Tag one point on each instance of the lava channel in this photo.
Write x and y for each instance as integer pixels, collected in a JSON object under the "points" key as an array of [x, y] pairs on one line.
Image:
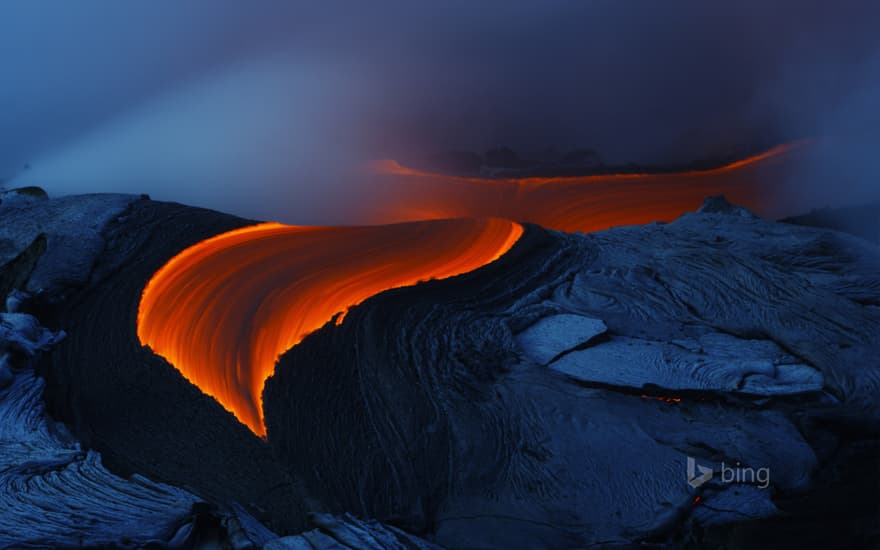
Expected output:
{"points": [[580, 203], [223, 310]]}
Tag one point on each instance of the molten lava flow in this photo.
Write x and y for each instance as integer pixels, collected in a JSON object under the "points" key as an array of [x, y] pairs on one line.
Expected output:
{"points": [[578, 203], [223, 310]]}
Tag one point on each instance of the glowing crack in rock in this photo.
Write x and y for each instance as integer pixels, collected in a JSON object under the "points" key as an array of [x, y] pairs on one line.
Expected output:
{"points": [[223, 310]]}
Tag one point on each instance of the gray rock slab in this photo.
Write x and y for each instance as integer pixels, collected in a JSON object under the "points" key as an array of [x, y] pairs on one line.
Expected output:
{"points": [[557, 334]]}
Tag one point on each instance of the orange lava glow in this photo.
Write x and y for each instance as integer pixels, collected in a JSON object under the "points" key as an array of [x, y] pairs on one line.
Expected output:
{"points": [[578, 203], [223, 310], [664, 399]]}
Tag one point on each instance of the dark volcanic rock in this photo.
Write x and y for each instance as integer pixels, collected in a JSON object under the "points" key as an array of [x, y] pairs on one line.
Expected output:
{"points": [[15, 273], [53, 493], [730, 339], [549, 399], [131, 405], [347, 531], [718, 205], [72, 226]]}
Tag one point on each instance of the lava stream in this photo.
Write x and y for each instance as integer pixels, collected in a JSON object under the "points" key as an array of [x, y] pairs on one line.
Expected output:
{"points": [[580, 203], [223, 310]]}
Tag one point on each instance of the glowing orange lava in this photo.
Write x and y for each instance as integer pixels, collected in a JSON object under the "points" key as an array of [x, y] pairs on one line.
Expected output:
{"points": [[223, 310], [578, 203]]}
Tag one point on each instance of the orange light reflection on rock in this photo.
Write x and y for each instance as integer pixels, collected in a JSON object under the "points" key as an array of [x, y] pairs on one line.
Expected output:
{"points": [[223, 310]]}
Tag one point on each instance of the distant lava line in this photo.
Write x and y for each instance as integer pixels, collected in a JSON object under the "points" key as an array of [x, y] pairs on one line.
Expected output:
{"points": [[223, 310], [580, 203]]}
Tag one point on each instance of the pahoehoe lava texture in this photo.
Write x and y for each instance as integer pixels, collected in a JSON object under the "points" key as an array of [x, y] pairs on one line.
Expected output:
{"points": [[514, 406], [133, 406], [223, 310], [430, 408]]}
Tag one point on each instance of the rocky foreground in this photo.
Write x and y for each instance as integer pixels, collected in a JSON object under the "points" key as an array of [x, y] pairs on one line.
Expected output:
{"points": [[550, 399]]}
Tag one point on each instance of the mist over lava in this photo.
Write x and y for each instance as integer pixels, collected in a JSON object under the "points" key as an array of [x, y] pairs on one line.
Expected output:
{"points": [[270, 113], [583, 203]]}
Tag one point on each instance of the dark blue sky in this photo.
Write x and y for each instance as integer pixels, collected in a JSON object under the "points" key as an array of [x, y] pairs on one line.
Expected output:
{"points": [[231, 104]]}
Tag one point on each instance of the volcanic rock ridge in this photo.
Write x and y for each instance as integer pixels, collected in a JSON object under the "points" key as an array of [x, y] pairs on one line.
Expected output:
{"points": [[630, 386]]}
